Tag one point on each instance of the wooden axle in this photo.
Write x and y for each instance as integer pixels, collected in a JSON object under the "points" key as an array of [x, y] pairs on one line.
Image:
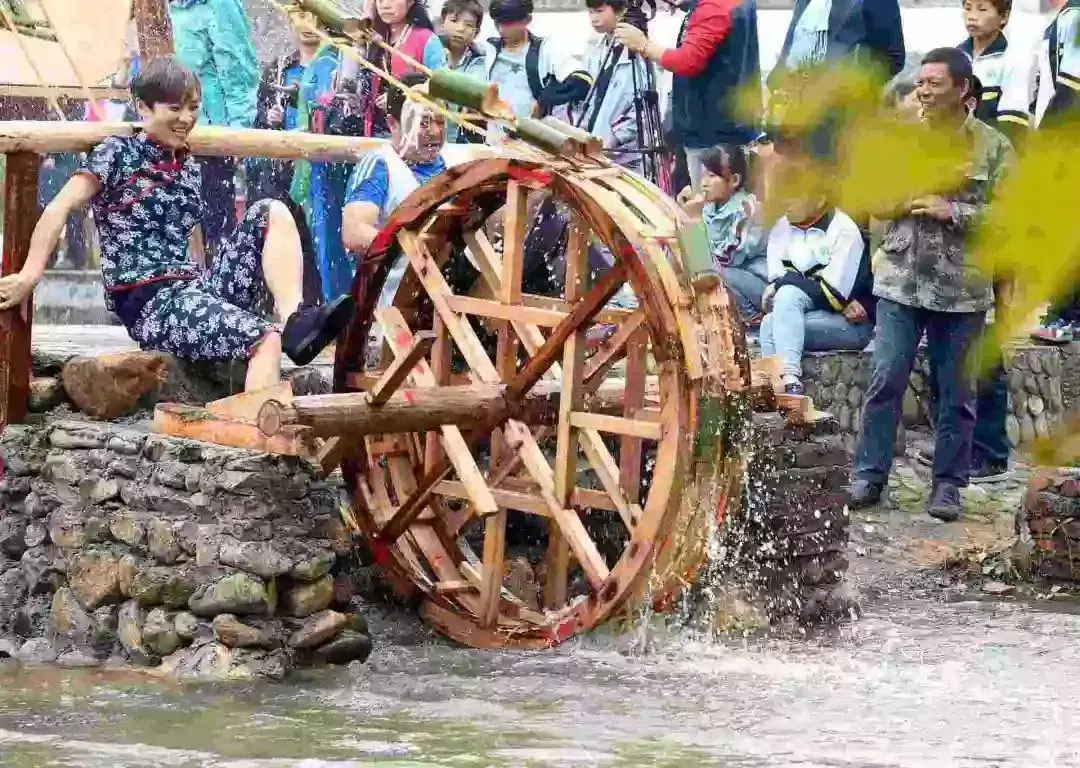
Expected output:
{"points": [[408, 410]]}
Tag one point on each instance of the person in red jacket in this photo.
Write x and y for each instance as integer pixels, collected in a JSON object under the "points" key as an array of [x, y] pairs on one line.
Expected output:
{"points": [[716, 55]]}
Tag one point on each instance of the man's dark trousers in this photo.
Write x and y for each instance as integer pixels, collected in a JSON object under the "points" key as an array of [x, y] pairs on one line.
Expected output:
{"points": [[990, 439], [949, 337]]}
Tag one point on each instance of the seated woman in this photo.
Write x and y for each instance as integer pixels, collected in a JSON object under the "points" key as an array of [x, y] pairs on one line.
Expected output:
{"points": [[146, 198], [819, 295], [731, 215]]}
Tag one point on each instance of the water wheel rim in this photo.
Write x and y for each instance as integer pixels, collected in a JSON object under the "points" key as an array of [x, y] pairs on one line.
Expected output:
{"points": [[455, 613]]}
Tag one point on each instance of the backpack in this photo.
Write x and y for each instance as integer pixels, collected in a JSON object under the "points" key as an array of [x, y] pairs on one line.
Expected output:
{"points": [[532, 63]]}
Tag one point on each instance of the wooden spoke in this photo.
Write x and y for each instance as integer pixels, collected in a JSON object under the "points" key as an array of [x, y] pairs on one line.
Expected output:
{"points": [[630, 445], [515, 222], [494, 561], [649, 430], [614, 348], [440, 373], [401, 367]]}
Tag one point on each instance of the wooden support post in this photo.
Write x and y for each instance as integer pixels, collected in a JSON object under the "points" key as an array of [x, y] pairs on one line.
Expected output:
{"points": [[440, 370], [154, 29], [494, 562], [400, 369], [629, 446], [20, 217]]}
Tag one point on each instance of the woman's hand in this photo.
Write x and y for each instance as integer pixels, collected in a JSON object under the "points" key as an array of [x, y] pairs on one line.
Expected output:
{"points": [[767, 297], [855, 312], [15, 288]]}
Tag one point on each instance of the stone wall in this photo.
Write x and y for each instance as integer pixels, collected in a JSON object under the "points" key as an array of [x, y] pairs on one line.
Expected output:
{"points": [[1051, 513], [210, 562], [837, 383]]}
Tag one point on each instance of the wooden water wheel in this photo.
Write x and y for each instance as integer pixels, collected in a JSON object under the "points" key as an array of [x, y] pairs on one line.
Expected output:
{"points": [[605, 463]]}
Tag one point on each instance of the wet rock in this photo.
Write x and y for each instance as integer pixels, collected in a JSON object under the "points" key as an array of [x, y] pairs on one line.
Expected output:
{"points": [[213, 661], [32, 617], [37, 650], [43, 572], [60, 468], [36, 534], [41, 502], [110, 385], [94, 577], [68, 619], [313, 566], [232, 632], [319, 628], [77, 659], [520, 578], [45, 394], [162, 543], [161, 585], [13, 536], [98, 491], [159, 633], [346, 647], [103, 627], [129, 631], [126, 527], [305, 599], [997, 588], [260, 558], [187, 626], [125, 446], [72, 435], [237, 593], [8, 649]]}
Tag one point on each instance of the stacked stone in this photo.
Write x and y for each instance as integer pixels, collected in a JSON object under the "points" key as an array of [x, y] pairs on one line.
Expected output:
{"points": [[837, 383], [786, 541], [1051, 511], [1035, 400], [213, 562]]}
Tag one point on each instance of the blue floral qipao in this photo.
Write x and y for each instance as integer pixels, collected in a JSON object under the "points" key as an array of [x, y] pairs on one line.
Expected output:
{"points": [[150, 200]]}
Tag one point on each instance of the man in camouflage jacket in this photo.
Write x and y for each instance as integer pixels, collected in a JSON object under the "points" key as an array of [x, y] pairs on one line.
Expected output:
{"points": [[926, 281]]}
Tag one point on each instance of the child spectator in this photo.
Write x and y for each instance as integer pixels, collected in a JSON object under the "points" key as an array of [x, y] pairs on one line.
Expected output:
{"points": [[1006, 79], [731, 217], [460, 21], [532, 73], [1058, 98], [619, 75], [819, 295]]}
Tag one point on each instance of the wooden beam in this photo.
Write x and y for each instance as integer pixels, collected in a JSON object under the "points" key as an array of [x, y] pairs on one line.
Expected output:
{"points": [[154, 29], [515, 222], [196, 423], [72, 92], [47, 137], [523, 496], [613, 349], [332, 451], [630, 447], [647, 430], [400, 368], [494, 564], [247, 405], [20, 218], [440, 371]]}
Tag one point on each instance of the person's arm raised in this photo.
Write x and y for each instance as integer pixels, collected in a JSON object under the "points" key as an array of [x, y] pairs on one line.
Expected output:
{"points": [[358, 228], [710, 23], [75, 194]]}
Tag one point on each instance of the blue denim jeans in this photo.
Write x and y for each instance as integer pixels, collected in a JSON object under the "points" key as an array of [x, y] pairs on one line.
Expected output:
{"points": [[793, 327], [949, 337], [747, 282], [990, 438]]}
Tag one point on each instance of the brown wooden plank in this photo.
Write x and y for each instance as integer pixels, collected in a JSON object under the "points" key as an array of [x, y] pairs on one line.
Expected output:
{"points": [[20, 218], [647, 430], [400, 368], [630, 447], [332, 451], [454, 587], [515, 221], [521, 313], [494, 564], [440, 371], [198, 424]]}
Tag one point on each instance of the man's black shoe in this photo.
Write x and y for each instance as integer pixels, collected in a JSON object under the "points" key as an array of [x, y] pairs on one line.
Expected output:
{"points": [[944, 503], [864, 494], [309, 329], [989, 471]]}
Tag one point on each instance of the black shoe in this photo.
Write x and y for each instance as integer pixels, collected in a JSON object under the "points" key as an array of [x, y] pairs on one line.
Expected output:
{"points": [[989, 471], [944, 503], [309, 329], [864, 494]]}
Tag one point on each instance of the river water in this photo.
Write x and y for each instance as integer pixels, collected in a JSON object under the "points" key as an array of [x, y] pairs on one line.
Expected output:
{"points": [[913, 683]]}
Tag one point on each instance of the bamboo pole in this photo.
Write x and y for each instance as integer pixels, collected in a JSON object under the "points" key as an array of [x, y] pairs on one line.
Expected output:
{"points": [[48, 137], [154, 28], [20, 217]]}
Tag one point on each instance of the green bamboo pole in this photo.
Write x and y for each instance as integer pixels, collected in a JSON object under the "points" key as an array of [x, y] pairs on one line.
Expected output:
{"points": [[467, 91], [592, 143], [697, 255], [331, 15], [545, 137]]}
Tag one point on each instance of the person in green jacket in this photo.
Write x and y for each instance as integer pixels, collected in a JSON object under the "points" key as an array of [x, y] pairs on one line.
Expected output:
{"points": [[213, 39]]}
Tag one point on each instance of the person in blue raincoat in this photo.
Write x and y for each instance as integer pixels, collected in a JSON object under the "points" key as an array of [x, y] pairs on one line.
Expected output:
{"points": [[319, 188], [213, 39]]}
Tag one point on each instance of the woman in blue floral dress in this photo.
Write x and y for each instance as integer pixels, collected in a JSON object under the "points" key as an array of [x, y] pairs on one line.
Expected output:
{"points": [[145, 193]]}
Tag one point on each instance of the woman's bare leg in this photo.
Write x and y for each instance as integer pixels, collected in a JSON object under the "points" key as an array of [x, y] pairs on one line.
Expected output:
{"points": [[283, 263], [264, 366]]}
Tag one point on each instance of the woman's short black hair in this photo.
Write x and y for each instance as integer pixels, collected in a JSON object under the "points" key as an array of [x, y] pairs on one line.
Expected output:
{"points": [[617, 5], [509, 11], [165, 81], [725, 160]]}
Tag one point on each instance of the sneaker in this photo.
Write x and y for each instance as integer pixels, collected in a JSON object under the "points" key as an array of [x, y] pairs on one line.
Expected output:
{"points": [[989, 471], [310, 329], [1054, 332], [944, 503], [793, 385], [864, 494]]}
